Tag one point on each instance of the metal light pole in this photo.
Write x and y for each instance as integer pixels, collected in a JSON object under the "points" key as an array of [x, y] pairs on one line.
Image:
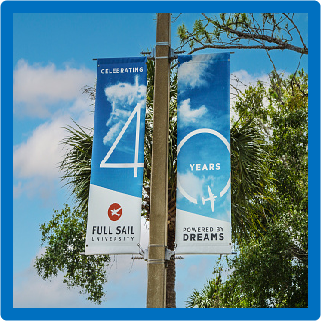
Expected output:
{"points": [[156, 284]]}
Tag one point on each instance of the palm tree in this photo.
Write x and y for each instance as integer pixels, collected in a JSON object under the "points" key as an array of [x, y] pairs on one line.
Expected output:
{"points": [[76, 165]]}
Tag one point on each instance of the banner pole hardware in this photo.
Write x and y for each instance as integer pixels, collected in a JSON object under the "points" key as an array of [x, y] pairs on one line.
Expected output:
{"points": [[163, 43], [173, 53], [151, 55]]}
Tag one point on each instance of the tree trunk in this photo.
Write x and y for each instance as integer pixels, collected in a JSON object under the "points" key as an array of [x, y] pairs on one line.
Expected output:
{"points": [[171, 274], [171, 269]]}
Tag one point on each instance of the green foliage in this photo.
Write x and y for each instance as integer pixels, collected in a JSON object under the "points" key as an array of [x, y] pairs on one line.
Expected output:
{"points": [[250, 180], [271, 268], [208, 297], [76, 165], [289, 118], [64, 239], [182, 32], [268, 31], [267, 272]]}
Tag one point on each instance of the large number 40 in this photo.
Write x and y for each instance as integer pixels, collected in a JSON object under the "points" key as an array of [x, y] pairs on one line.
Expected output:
{"points": [[134, 165]]}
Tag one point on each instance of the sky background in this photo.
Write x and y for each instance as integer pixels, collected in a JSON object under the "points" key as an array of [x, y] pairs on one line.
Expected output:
{"points": [[52, 62]]}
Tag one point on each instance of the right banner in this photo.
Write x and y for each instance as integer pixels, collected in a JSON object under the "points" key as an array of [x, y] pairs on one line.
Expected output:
{"points": [[203, 202]]}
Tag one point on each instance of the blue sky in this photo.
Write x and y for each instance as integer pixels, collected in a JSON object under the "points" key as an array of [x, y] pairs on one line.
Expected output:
{"points": [[52, 62]]}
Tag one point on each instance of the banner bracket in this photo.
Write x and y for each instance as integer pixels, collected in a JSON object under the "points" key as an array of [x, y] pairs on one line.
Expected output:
{"points": [[168, 254], [173, 54], [151, 55]]}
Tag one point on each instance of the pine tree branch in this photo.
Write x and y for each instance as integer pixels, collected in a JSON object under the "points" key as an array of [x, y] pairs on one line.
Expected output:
{"points": [[298, 31], [280, 44]]}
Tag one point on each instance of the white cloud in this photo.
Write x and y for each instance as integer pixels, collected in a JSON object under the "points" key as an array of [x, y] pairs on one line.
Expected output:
{"points": [[123, 97], [42, 152], [191, 73], [81, 105], [241, 79], [190, 116], [45, 91], [35, 161], [36, 88], [40, 155], [38, 187]]}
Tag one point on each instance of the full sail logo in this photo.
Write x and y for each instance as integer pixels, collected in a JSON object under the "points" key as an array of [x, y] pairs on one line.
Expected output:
{"points": [[115, 212], [112, 233]]}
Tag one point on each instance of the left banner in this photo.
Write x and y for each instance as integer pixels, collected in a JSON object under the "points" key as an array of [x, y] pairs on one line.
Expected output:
{"points": [[117, 164]]}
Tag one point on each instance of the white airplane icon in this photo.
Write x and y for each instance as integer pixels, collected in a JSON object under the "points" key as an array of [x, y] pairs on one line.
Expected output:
{"points": [[211, 198], [115, 212]]}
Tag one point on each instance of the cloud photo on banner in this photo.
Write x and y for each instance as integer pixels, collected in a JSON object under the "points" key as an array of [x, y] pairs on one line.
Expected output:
{"points": [[190, 116], [192, 73], [124, 97], [203, 157]]}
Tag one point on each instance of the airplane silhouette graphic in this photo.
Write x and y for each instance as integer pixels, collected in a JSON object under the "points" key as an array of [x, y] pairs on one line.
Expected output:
{"points": [[211, 198], [115, 212]]}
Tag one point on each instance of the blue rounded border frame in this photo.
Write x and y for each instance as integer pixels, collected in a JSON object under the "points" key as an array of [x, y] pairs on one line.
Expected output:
{"points": [[7, 310]]}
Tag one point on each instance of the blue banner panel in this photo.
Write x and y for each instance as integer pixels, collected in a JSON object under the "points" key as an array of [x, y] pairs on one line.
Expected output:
{"points": [[115, 195], [203, 215]]}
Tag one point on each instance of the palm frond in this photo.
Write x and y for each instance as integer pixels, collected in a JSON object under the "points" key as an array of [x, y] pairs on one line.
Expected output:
{"points": [[76, 165]]}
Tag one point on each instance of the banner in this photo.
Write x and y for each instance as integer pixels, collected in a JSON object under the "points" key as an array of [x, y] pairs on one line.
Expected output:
{"points": [[203, 215], [115, 196]]}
